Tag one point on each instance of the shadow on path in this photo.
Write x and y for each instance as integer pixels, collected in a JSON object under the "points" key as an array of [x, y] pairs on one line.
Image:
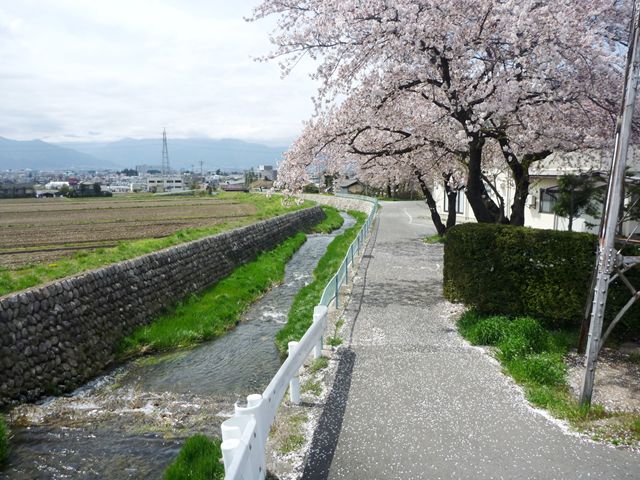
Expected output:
{"points": [[325, 438]]}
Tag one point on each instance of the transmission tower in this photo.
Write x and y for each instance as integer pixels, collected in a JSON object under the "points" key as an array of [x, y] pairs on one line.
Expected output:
{"points": [[166, 170], [611, 263]]}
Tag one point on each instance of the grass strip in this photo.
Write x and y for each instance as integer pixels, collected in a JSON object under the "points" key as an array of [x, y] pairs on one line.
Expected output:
{"points": [[534, 357], [4, 441], [20, 279], [434, 239], [333, 221], [199, 459], [212, 313], [301, 312]]}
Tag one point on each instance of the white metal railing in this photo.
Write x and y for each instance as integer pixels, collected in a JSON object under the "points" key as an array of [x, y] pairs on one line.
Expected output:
{"points": [[341, 277], [244, 435]]}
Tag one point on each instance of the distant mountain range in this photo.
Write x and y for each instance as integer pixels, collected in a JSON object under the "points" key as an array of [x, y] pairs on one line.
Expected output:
{"points": [[226, 154]]}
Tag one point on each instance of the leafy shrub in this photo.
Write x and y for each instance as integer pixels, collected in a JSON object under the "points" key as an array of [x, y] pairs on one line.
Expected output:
{"points": [[199, 459], [521, 271]]}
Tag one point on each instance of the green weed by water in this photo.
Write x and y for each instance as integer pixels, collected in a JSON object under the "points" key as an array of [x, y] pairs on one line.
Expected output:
{"points": [[31, 275], [4, 441], [332, 222], [215, 311], [199, 459], [301, 312]]}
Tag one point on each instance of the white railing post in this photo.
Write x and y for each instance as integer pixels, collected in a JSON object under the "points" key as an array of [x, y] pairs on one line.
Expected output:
{"points": [[319, 315], [294, 383], [255, 466], [230, 444], [337, 287], [243, 441]]}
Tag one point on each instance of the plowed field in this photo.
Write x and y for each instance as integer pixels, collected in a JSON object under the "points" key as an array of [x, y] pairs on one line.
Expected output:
{"points": [[43, 230]]}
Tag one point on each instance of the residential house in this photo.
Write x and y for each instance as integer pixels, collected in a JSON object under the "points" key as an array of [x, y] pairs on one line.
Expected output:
{"points": [[544, 176]]}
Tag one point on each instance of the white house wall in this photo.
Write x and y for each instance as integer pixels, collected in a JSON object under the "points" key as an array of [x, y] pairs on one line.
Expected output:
{"points": [[533, 216]]}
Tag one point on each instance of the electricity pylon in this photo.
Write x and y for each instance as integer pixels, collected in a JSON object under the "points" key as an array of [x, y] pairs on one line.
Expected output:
{"points": [[611, 263], [166, 170]]}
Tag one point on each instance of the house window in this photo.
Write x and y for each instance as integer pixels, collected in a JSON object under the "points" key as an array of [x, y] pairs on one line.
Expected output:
{"points": [[548, 200], [458, 202]]}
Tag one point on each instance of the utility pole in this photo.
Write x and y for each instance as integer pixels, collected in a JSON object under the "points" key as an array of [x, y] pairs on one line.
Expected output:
{"points": [[611, 264], [166, 170]]}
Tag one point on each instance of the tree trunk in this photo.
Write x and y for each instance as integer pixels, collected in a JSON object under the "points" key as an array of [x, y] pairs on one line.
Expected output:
{"points": [[484, 208], [520, 175], [431, 203], [521, 179], [452, 200]]}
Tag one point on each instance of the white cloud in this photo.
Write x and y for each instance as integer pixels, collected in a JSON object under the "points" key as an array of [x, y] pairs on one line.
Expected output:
{"points": [[72, 68]]}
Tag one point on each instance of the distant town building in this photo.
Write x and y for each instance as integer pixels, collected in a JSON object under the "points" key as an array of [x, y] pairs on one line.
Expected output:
{"points": [[352, 186], [267, 172], [158, 184], [145, 169], [56, 185], [17, 190], [235, 187], [88, 189], [120, 188], [261, 185]]}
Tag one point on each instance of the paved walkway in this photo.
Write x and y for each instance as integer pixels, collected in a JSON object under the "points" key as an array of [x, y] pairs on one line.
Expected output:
{"points": [[412, 400]]}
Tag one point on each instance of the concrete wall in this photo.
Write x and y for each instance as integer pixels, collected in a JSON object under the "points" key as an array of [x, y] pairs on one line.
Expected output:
{"points": [[55, 337]]}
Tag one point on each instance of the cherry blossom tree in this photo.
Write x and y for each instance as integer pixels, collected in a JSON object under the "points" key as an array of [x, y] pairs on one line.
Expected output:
{"points": [[348, 138], [532, 76]]}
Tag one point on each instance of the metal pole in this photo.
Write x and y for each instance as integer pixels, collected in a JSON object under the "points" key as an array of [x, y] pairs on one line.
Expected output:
{"points": [[607, 256]]}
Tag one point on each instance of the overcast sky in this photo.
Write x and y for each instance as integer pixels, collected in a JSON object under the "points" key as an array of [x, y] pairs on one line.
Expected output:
{"points": [[104, 70]]}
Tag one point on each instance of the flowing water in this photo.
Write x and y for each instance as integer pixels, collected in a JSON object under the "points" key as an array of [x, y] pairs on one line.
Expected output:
{"points": [[132, 422]]}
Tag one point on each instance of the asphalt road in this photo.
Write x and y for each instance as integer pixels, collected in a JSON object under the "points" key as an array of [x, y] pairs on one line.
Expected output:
{"points": [[413, 400]]}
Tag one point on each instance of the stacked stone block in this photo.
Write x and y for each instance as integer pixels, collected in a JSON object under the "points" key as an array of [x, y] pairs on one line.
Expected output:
{"points": [[55, 337]]}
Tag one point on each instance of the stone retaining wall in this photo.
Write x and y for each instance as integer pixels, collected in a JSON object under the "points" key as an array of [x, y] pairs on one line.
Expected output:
{"points": [[55, 337], [341, 203]]}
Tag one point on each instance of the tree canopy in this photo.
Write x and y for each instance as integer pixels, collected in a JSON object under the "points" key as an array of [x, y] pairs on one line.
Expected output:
{"points": [[452, 89]]}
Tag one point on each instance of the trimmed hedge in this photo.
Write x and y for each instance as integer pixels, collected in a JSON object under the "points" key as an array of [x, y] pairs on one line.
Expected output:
{"points": [[524, 271]]}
